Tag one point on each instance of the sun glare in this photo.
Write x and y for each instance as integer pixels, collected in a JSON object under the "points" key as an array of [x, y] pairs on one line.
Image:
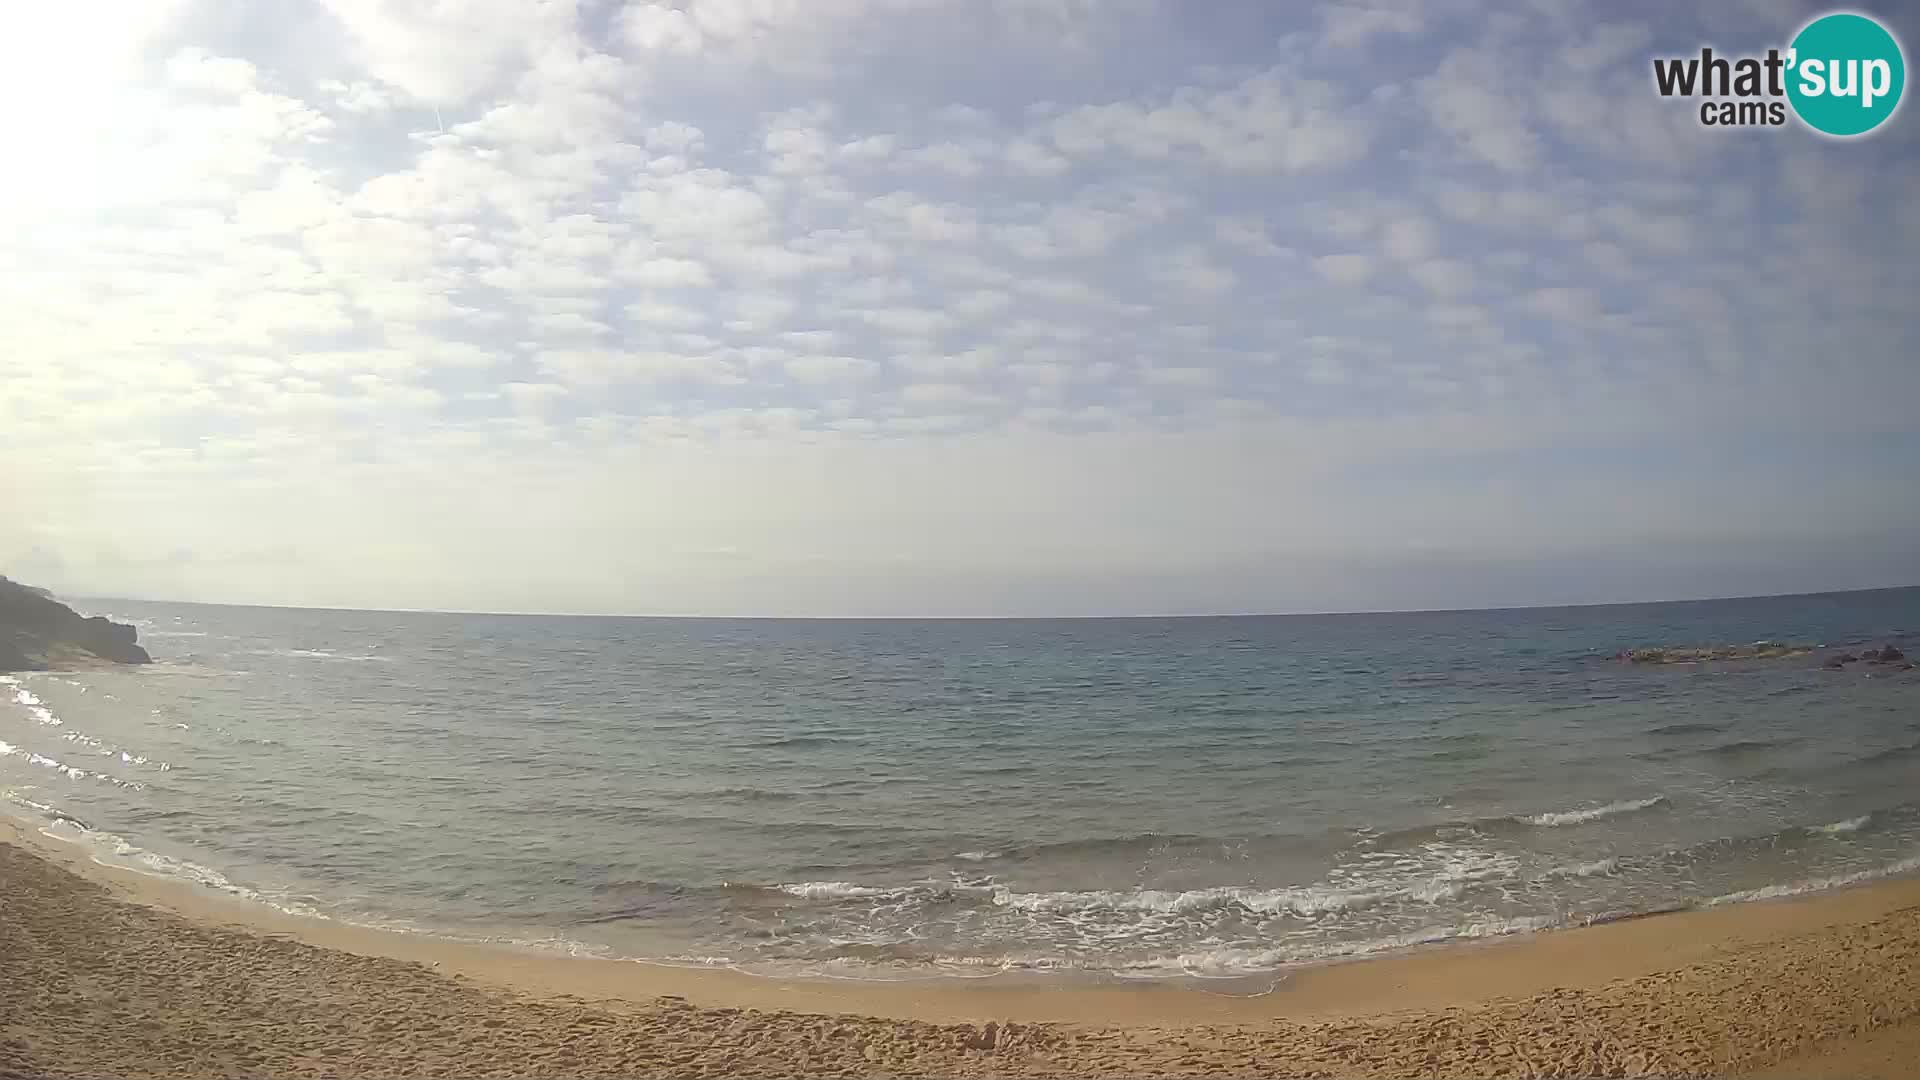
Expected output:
{"points": [[65, 77]]}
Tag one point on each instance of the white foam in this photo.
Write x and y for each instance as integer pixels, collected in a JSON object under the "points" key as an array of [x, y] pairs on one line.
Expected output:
{"points": [[323, 654], [1592, 813], [37, 709], [72, 772], [1231, 962], [1908, 865], [108, 849], [16, 798], [834, 890], [34, 706], [1850, 825], [1596, 868], [1306, 901]]}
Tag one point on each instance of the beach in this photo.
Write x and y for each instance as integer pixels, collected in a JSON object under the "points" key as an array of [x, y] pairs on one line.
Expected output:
{"points": [[1133, 799], [104, 971]]}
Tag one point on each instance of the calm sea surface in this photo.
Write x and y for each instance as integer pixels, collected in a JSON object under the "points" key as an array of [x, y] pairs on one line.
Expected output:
{"points": [[886, 799]]}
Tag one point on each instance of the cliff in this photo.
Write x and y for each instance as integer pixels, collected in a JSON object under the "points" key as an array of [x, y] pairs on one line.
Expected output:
{"points": [[37, 631]]}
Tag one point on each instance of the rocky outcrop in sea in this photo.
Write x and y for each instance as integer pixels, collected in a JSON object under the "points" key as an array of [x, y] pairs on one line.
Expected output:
{"points": [[38, 632]]}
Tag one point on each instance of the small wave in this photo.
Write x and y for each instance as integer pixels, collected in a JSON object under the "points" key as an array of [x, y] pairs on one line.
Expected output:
{"points": [[803, 741], [1460, 753], [1907, 865], [976, 856], [322, 654], [1853, 824], [18, 799], [834, 890], [1418, 835], [54, 815], [1306, 901], [1234, 962], [34, 706], [1691, 728], [1748, 746], [753, 794], [1594, 813], [72, 772], [1117, 845], [109, 849], [1743, 848], [1596, 868], [1891, 754], [37, 709]]}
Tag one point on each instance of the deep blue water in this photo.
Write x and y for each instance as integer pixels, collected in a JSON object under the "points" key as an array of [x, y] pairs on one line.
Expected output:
{"points": [[879, 798]]}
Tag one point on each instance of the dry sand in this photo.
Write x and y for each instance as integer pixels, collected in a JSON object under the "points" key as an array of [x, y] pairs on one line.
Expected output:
{"points": [[108, 973]]}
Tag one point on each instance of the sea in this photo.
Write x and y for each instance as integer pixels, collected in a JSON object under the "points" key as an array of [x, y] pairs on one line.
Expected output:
{"points": [[1151, 798]]}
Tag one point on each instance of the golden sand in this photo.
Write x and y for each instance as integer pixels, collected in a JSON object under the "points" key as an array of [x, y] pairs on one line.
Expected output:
{"points": [[108, 973]]}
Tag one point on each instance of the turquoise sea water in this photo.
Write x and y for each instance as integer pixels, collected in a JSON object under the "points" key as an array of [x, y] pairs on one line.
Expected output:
{"points": [[882, 799]]}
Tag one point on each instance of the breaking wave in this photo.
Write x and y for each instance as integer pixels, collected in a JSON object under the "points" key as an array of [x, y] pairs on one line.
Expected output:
{"points": [[1593, 813]]}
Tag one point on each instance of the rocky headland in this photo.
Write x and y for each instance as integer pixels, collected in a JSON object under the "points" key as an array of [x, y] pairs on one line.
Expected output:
{"points": [[38, 632]]}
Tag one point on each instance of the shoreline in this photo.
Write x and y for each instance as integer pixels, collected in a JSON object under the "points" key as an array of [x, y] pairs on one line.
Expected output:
{"points": [[1747, 987], [190, 891], [1422, 975]]}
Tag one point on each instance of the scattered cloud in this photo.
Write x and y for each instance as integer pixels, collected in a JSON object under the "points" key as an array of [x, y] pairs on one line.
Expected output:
{"points": [[1179, 295]]}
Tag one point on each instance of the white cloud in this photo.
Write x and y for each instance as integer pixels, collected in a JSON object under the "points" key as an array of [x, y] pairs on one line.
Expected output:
{"points": [[1605, 46], [358, 96], [1267, 123], [945, 395], [827, 369], [656, 26], [1345, 269], [660, 313], [1192, 271], [1250, 235], [446, 54], [917, 322], [599, 367], [1350, 24], [1409, 239], [534, 398], [1443, 277], [1469, 97], [197, 69], [667, 274], [596, 257], [962, 365], [1181, 375], [1033, 159], [1566, 304], [963, 160]]}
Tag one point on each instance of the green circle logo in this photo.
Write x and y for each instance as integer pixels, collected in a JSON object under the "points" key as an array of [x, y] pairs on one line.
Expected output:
{"points": [[1845, 74]]}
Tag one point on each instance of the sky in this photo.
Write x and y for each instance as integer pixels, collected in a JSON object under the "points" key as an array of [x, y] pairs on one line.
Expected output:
{"points": [[939, 307]]}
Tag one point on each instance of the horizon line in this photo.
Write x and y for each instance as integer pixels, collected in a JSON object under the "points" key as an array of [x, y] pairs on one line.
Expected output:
{"points": [[1011, 618]]}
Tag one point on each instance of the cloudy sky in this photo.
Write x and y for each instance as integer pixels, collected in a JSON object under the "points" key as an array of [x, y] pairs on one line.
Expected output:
{"points": [[939, 306]]}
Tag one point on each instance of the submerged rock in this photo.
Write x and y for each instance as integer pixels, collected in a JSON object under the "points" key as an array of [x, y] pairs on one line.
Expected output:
{"points": [[37, 631], [1759, 650]]}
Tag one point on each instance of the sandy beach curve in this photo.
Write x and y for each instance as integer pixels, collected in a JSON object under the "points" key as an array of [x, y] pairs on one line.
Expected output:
{"points": [[104, 971]]}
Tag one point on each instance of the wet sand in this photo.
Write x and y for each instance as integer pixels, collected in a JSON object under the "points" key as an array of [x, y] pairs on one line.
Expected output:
{"points": [[104, 972]]}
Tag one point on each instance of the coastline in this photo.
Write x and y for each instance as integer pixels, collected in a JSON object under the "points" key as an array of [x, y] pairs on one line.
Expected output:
{"points": [[1817, 984]]}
